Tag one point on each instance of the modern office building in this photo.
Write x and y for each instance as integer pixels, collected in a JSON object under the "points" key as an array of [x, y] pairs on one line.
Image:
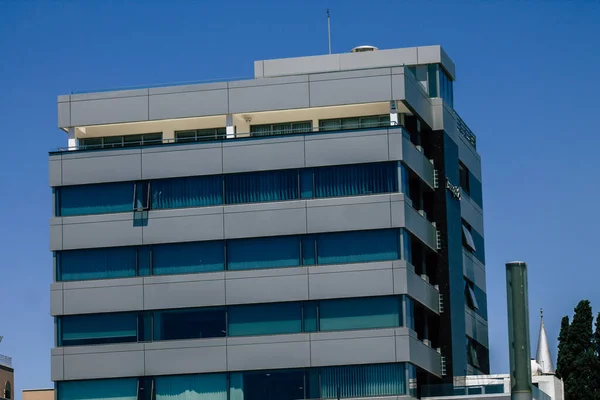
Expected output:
{"points": [[314, 232]]}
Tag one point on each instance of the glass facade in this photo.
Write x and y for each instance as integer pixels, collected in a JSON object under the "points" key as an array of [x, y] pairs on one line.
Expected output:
{"points": [[104, 263], [371, 121], [352, 381], [446, 88], [242, 254], [281, 129], [200, 135], [187, 258], [238, 320], [120, 141], [79, 330], [95, 199], [250, 187]]}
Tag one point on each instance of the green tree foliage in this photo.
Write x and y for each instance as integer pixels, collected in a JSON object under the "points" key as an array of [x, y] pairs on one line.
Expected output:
{"points": [[578, 356], [564, 352]]}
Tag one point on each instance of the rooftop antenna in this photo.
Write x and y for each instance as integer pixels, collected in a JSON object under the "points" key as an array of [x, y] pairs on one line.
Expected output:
{"points": [[329, 30]]}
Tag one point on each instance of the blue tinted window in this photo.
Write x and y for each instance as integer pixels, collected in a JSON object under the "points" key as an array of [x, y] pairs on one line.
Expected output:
{"points": [[265, 385], [187, 192], [95, 199], [192, 387], [98, 389], [189, 324], [359, 246], [144, 260], [363, 381], [186, 258], [432, 70], [410, 313], [308, 250], [81, 330], [265, 319], [114, 262], [261, 186], [354, 180], [307, 183], [360, 313], [272, 252], [475, 192], [479, 245], [310, 316]]}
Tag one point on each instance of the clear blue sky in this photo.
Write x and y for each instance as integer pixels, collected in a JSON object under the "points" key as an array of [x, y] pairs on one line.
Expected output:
{"points": [[527, 85]]}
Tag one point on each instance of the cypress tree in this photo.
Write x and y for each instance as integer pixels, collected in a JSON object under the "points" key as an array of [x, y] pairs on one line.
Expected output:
{"points": [[564, 359], [578, 363]]}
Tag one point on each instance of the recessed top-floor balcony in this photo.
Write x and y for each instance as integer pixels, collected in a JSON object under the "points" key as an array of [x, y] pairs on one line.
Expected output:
{"points": [[230, 110]]}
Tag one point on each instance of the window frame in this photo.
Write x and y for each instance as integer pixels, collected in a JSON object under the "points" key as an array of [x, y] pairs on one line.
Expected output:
{"points": [[467, 238]]}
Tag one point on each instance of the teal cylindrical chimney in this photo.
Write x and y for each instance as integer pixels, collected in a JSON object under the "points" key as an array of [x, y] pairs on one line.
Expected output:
{"points": [[518, 330]]}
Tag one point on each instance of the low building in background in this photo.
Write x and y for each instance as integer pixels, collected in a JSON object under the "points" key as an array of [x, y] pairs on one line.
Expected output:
{"points": [[38, 394], [546, 385], [7, 377]]}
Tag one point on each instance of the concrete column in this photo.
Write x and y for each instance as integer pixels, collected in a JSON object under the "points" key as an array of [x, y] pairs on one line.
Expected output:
{"points": [[229, 127], [394, 113], [73, 142], [168, 135]]}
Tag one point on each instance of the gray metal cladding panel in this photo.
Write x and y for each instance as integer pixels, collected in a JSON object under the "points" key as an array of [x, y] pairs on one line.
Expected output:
{"points": [[56, 237], [201, 87], [188, 104], [421, 291], [300, 65], [381, 58], [267, 289], [289, 354], [109, 111], [101, 234], [57, 367], [350, 91], [263, 154], [55, 172], [273, 222], [471, 213], [424, 356], [327, 349], [101, 166], [417, 99], [124, 361], [64, 114], [420, 227], [268, 97], [186, 357], [417, 162], [56, 302], [398, 86], [185, 225], [474, 270], [468, 156], [194, 293], [103, 299], [182, 160], [351, 284], [340, 148], [349, 214]]}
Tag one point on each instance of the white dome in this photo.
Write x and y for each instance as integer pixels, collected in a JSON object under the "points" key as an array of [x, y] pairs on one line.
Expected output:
{"points": [[536, 369]]}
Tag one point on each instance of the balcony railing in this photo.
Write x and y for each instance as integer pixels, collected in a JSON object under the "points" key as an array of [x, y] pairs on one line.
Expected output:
{"points": [[5, 361], [465, 130], [221, 137]]}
